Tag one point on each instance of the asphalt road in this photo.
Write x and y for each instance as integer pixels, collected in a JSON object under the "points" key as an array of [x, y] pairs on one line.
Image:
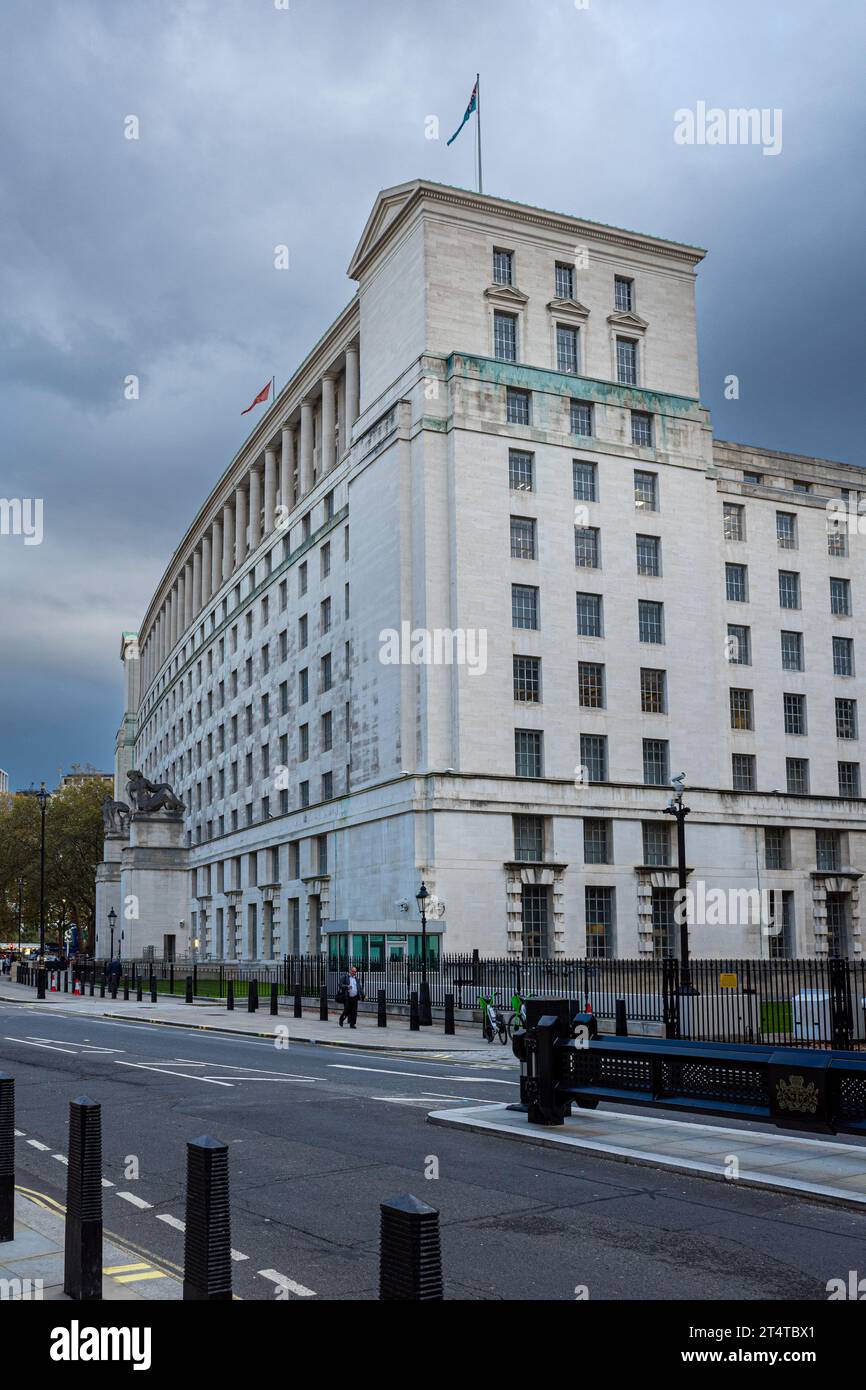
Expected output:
{"points": [[319, 1137]]}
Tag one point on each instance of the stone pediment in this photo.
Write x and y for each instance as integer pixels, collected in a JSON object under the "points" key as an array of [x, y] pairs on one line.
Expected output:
{"points": [[387, 209], [633, 322], [506, 295], [568, 309]]}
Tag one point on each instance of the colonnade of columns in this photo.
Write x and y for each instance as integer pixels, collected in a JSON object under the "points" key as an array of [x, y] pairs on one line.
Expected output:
{"points": [[284, 476]]}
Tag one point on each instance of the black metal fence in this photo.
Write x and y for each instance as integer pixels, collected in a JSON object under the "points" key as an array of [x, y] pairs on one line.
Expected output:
{"points": [[808, 1003]]}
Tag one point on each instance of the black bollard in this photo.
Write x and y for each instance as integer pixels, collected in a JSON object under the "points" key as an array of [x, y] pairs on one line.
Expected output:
{"points": [[66, 982], [114, 983], [138, 990], [299, 1007], [188, 990], [126, 988], [621, 1027], [82, 1267], [93, 983], [252, 996], [425, 1013], [40, 982], [230, 995], [410, 1255], [7, 1157], [414, 1018], [171, 978], [323, 1006], [207, 1254], [102, 989], [275, 1001], [449, 1015], [381, 1010], [152, 988]]}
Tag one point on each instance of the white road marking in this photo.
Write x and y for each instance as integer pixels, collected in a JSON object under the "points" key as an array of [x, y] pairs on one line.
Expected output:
{"points": [[25, 1042], [179, 1225], [20, 1133], [61, 1158], [285, 1283], [236, 1255], [106, 1183], [148, 1066], [35, 1144], [227, 1066], [425, 1075], [479, 1100], [136, 1201]]}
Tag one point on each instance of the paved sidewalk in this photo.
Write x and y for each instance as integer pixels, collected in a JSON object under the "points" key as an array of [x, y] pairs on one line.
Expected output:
{"points": [[758, 1158], [214, 1016], [31, 1265]]}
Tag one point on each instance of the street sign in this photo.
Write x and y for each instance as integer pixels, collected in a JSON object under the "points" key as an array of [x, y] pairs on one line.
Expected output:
{"points": [[727, 981]]}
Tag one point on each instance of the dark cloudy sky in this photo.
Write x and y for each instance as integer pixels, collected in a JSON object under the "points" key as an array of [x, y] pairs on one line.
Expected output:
{"points": [[261, 125]]}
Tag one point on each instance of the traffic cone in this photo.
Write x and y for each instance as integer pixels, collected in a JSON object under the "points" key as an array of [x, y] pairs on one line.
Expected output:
{"points": [[53, 989], [77, 987], [588, 1009]]}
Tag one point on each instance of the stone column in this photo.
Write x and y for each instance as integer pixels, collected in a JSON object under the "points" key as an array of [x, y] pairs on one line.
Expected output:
{"points": [[270, 490], [255, 509], [329, 419], [287, 464], [187, 595], [353, 389], [306, 473], [181, 605], [228, 541], [240, 525], [196, 582], [172, 619], [206, 564], [216, 572]]}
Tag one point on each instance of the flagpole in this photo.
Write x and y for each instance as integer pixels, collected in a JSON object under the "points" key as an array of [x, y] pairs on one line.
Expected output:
{"points": [[273, 390], [478, 113]]}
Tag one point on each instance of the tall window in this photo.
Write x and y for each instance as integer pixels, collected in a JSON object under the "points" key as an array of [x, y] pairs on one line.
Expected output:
{"points": [[650, 621], [527, 679], [781, 940], [741, 709], [505, 336], [843, 656], [503, 262], [581, 417], [846, 718], [642, 429], [655, 762], [524, 606], [646, 497], [837, 538], [828, 851], [849, 779], [589, 615], [794, 713], [792, 651], [599, 909], [622, 294], [733, 521], [586, 547], [739, 645], [564, 281], [789, 589], [528, 753], [534, 919], [626, 361], [743, 772], [522, 538], [590, 684], [840, 597], [566, 348], [521, 469], [653, 691], [797, 774], [775, 847], [597, 841], [656, 844], [736, 584], [648, 555], [786, 530], [665, 927], [517, 406], [837, 924], [584, 481], [528, 839], [593, 756]]}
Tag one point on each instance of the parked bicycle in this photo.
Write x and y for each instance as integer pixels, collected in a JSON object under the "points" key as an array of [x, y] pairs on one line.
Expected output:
{"points": [[517, 1017], [493, 1020]]}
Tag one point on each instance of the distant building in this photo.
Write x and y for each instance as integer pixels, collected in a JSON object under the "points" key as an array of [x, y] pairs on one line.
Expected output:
{"points": [[79, 779], [4, 781]]}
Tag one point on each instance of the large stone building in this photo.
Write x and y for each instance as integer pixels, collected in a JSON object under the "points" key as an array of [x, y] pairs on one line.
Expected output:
{"points": [[478, 582]]}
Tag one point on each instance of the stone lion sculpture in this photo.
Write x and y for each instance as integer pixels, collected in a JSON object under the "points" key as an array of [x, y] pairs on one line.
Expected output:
{"points": [[147, 797]]}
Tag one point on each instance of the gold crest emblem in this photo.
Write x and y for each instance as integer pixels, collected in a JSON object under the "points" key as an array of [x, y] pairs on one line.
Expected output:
{"points": [[797, 1094]]}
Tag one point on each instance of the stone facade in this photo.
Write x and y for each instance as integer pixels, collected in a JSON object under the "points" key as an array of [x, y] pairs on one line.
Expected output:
{"points": [[324, 780]]}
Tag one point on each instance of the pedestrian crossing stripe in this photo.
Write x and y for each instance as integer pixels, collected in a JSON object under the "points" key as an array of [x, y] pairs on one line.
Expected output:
{"points": [[133, 1274]]}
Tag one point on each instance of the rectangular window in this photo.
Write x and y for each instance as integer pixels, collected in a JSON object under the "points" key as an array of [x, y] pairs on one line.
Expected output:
{"points": [[534, 919], [646, 491], [503, 262], [775, 847], [792, 651], [736, 584], [528, 753], [302, 631], [622, 294], [505, 337], [327, 786], [528, 839], [797, 774], [828, 856], [642, 429], [564, 281], [303, 686], [325, 616], [739, 645], [653, 691], [840, 597], [786, 530], [521, 469], [523, 538], [655, 762], [597, 842], [794, 713], [586, 547], [782, 940], [581, 418], [648, 550], [837, 925], [325, 556], [843, 656], [626, 361], [733, 521], [584, 481], [325, 674], [665, 927], [846, 718], [517, 407], [327, 732], [524, 606], [837, 538], [527, 679], [849, 779], [566, 349], [743, 772], [656, 844], [590, 684], [589, 615], [303, 742], [650, 617], [593, 757], [789, 589], [599, 910]]}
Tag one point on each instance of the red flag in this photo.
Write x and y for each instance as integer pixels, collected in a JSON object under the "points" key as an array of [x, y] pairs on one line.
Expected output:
{"points": [[262, 396]]}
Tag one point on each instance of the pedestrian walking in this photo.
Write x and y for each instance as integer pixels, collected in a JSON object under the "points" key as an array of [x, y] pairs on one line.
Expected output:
{"points": [[349, 992]]}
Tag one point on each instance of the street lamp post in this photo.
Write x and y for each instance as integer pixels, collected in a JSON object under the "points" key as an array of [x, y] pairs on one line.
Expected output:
{"points": [[20, 892], [424, 1011], [42, 797], [679, 811], [112, 918]]}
